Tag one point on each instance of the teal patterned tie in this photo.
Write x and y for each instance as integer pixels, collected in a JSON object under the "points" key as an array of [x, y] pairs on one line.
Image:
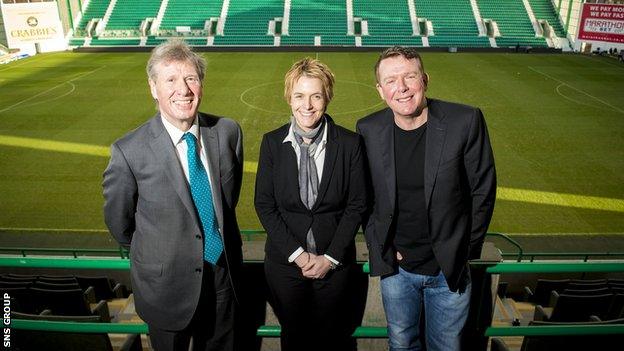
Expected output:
{"points": [[202, 197]]}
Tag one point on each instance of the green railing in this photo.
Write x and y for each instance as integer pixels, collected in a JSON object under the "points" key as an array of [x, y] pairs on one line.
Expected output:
{"points": [[585, 256], [509, 240], [550, 330], [72, 263], [553, 267], [121, 252], [368, 332], [89, 263], [251, 234], [270, 331]]}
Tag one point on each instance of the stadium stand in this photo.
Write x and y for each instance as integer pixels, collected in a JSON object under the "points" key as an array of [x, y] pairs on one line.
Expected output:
{"points": [[63, 295], [543, 288], [124, 319], [574, 308], [388, 22], [67, 341], [95, 9], [115, 42], [586, 292], [18, 278], [248, 23], [190, 13], [513, 22], [454, 23], [104, 287], [24, 284], [57, 279], [71, 302], [544, 10], [128, 14], [324, 19], [568, 343]]}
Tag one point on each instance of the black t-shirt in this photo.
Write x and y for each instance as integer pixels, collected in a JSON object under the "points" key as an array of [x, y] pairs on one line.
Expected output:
{"points": [[411, 230]]}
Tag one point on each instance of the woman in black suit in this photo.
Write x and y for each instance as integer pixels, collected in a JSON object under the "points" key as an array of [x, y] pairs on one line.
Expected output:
{"points": [[310, 197]]}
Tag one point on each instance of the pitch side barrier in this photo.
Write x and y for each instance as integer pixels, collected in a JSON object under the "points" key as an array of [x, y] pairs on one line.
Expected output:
{"points": [[324, 48], [254, 234], [360, 332]]}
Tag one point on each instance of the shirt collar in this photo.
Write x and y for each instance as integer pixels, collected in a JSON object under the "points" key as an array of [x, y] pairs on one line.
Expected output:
{"points": [[176, 134]]}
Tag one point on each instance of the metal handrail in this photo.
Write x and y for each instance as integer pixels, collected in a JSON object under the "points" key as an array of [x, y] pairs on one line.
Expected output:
{"points": [[551, 267], [494, 268], [584, 255], [141, 328], [248, 234], [509, 240], [123, 253], [72, 263], [551, 330], [360, 332], [269, 331]]}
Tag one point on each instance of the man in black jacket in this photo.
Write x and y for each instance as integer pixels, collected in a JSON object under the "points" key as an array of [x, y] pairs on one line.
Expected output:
{"points": [[432, 170]]}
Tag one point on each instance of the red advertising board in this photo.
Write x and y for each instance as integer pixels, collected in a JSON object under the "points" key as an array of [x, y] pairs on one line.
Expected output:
{"points": [[602, 22]]}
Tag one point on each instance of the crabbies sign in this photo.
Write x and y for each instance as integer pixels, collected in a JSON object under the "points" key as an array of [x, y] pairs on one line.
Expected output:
{"points": [[29, 23], [602, 22]]}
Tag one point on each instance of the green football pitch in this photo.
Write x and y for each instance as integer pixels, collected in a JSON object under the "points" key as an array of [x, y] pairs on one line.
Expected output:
{"points": [[556, 124]]}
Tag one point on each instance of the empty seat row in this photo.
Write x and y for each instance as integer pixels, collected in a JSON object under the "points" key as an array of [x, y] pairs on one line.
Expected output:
{"points": [[568, 342], [69, 302], [579, 308], [104, 288], [541, 293], [23, 339]]}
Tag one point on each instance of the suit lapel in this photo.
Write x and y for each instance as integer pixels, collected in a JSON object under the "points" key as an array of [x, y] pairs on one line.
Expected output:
{"points": [[164, 149], [210, 138], [331, 152], [386, 146], [436, 134]]}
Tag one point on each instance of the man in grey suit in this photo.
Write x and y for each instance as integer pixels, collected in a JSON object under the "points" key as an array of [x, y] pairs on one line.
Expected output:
{"points": [[432, 170], [170, 191]]}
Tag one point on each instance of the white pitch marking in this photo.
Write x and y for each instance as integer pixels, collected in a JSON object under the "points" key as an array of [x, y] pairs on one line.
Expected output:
{"points": [[242, 98], [570, 99], [579, 90], [50, 89]]}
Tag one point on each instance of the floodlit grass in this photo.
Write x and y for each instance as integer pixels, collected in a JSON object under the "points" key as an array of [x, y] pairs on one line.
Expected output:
{"points": [[556, 123]]}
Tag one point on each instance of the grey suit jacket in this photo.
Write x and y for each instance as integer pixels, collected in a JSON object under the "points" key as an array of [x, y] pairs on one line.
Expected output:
{"points": [[148, 206], [460, 187]]}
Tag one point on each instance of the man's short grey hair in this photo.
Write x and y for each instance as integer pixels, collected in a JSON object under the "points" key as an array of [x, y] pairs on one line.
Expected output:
{"points": [[175, 50]]}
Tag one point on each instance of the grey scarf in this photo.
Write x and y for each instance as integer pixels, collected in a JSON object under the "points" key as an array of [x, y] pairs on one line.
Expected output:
{"points": [[308, 177]]}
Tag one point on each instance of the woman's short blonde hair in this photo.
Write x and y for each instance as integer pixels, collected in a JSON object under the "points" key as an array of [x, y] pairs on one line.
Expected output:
{"points": [[311, 68]]}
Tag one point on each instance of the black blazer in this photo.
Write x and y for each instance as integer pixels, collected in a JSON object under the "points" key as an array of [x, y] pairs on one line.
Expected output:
{"points": [[460, 186], [340, 204]]}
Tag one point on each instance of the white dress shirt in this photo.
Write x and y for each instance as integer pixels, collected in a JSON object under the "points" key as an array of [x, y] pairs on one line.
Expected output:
{"points": [[182, 148]]}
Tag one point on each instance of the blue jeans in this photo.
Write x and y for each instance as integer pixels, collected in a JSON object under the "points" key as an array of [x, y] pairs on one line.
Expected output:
{"points": [[445, 311]]}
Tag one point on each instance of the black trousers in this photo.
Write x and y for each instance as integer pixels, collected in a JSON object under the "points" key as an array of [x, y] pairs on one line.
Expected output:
{"points": [[313, 314], [212, 325]]}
